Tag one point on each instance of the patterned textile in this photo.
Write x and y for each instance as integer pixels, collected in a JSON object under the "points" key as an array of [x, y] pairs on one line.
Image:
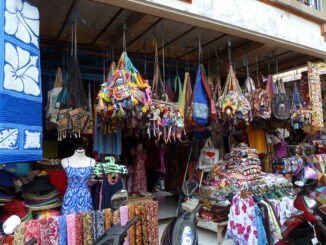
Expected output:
{"points": [[124, 219], [88, 228], [20, 234], [139, 176], [138, 225], [242, 221], [132, 229], [77, 198], [144, 224], [151, 213], [49, 231], [32, 229], [20, 83], [98, 223], [74, 229], [62, 230], [116, 217], [108, 218]]}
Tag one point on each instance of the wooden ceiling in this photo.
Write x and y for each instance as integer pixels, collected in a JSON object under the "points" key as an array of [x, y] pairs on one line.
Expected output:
{"points": [[101, 25]]}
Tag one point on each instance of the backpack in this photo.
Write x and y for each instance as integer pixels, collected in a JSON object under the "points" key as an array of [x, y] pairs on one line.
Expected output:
{"points": [[281, 104]]}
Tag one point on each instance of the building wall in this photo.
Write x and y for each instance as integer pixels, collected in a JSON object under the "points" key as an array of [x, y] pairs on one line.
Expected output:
{"points": [[250, 19]]}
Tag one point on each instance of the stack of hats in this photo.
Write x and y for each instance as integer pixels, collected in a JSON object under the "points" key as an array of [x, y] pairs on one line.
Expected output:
{"points": [[41, 194], [15, 207], [7, 187]]}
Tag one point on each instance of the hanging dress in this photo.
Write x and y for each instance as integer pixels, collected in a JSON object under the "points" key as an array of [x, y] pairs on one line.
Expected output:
{"points": [[77, 198], [139, 177], [109, 189]]}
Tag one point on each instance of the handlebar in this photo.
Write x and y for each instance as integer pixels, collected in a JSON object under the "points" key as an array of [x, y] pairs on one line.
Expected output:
{"points": [[31, 242], [131, 223]]}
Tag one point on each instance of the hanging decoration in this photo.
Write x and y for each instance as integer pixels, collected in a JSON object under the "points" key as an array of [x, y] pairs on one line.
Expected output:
{"points": [[300, 117], [315, 96], [165, 119], [125, 98]]}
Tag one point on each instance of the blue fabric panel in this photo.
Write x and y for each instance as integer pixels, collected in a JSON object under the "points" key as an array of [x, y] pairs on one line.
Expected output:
{"points": [[20, 83]]}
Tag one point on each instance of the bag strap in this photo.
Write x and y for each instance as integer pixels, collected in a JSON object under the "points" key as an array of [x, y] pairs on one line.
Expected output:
{"points": [[209, 95], [270, 86], [281, 87], [178, 87]]}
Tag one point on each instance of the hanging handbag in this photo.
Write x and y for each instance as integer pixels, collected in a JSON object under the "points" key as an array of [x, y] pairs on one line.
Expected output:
{"points": [[259, 99], [209, 156], [233, 105], [203, 106], [300, 117]]}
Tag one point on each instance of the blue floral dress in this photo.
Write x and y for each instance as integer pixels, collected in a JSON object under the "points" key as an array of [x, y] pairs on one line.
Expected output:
{"points": [[77, 198]]}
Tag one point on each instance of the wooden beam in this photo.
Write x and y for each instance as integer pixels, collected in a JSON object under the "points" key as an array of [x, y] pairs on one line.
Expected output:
{"points": [[206, 44], [107, 25], [71, 8], [176, 38], [144, 32]]}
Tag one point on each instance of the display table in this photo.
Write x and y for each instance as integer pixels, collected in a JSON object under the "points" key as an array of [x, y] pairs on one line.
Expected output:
{"points": [[140, 199], [216, 227]]}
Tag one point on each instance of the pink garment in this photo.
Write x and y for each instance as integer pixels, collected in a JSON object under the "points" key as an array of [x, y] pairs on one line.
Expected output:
{"points": [[49, 231], [124, 218], [32, 229], [139, 177], [75, 229]]}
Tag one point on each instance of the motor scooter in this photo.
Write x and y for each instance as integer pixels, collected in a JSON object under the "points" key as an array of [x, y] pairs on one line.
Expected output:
{"points": [[307, 225], [181, 230]]}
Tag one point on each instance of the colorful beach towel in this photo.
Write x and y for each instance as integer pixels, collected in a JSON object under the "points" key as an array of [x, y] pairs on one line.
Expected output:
{"points": [[20, 83]]}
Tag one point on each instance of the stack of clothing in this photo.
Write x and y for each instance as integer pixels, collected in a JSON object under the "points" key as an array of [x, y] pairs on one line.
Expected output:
{"points": [[41, 194], [243, 164], [213, 209]]}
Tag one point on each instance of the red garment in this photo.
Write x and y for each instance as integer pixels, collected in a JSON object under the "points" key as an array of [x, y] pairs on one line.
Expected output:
{"points": [[49, 229], [139, 180], [32, 229], [59, 179]]}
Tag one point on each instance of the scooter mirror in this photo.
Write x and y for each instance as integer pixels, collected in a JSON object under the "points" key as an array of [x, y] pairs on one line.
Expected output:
{"points": [[11, 224], [299, 183], [119, 198], [189, 187]]}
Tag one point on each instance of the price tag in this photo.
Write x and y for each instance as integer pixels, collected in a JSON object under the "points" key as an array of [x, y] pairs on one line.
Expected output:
{"points": [[314, 241]]}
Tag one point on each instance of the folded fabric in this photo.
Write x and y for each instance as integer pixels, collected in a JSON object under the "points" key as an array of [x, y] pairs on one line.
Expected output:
{"points": [[49, 231], [47, 203], [35, 196], [32, 229]]}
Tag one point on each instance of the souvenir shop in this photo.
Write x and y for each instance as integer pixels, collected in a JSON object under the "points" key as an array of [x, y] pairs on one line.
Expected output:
{"points": [[132, 101]]}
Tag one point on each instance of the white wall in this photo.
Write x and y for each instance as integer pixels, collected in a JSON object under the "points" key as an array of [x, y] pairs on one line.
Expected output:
{"points": [[250, 19]]}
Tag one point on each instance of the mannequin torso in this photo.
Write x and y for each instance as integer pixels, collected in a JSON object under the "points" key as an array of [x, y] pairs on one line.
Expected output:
{"points": [[78, 160], [78, 168]]}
